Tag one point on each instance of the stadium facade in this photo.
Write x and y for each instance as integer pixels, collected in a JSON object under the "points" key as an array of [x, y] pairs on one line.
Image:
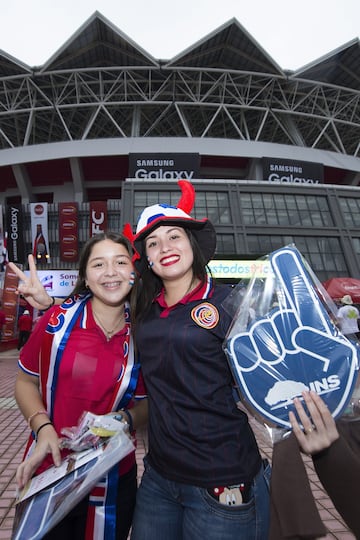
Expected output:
{"points": [[274, 155]]}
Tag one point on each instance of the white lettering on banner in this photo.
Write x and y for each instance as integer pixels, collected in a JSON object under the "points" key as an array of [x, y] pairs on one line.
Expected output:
{"points": [[155, 162], [96, 222], [291, 179], [286, 168], [326, 384], [14, 231], [169, 175]]}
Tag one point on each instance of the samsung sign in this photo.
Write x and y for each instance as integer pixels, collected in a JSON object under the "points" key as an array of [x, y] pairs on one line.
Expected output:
{"points": [[285, 171], [164, 166]]}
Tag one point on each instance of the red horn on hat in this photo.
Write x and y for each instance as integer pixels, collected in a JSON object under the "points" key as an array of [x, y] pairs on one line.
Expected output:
{"points": [[127, 232], [187, 200]]}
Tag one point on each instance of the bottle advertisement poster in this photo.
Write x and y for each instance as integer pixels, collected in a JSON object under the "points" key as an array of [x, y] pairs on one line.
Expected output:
{"points": [[39, 232]]}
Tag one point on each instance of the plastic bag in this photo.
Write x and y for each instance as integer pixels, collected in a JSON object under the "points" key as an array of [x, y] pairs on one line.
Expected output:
{"points": [[50, 496], [284, 339], [90, 430]]}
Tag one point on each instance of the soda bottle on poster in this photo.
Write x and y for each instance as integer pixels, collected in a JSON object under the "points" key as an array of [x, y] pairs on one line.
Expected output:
{"points": [[40, 250]]}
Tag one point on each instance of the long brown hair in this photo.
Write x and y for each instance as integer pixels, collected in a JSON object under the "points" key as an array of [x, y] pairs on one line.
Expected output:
{"points": [[149, 285]]}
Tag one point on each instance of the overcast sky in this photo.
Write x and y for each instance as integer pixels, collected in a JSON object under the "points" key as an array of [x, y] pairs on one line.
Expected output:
{"points": [[293, 33]]}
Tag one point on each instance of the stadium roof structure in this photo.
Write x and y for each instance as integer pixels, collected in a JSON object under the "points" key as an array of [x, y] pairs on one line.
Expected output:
{"points": [[102, 96]]}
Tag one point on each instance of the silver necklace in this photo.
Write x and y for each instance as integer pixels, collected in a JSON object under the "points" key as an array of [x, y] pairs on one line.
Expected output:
{"points": [[109, 333]]}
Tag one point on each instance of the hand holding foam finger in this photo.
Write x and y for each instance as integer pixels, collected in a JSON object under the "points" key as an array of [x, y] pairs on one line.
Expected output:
{"points": [[294, 347]]}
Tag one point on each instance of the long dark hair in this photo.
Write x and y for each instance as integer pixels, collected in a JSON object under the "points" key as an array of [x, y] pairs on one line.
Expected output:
{"points": [[80, 285], [149, 285]]}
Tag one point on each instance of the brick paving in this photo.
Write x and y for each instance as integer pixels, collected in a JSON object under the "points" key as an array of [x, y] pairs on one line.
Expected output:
{"points": [[14, 433]]}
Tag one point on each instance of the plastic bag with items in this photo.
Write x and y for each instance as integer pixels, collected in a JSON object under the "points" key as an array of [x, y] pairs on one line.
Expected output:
{"points": [[97, 444], [91, 429], [284, 340]]}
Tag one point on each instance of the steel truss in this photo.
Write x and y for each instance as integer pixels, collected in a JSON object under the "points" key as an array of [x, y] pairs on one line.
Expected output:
{"points": [[83, 104]]}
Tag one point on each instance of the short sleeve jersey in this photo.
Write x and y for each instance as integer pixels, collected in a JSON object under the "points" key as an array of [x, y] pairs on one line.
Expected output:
{"points": [[88, 372], [197, 435]]}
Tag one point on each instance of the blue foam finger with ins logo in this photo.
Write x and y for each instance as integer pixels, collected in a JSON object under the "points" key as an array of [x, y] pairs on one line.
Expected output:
{"points": [[294, 347]]}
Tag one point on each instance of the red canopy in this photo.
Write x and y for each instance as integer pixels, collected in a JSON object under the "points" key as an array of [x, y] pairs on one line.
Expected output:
{"points": [[338, 287]]}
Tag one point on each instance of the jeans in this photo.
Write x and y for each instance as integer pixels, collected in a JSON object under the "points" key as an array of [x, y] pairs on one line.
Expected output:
{"points": [[167, 510]]}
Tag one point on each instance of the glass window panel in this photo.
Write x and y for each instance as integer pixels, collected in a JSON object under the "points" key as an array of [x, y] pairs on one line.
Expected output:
{"points": [[305, 218], [294, 218], [290, 202], [301, 202], [253, 244], [283, 217], [356, 242], [248, 216], [268, 201], [350, 209], [224, 217], [225, 243], [272, 218], [323, 254], [287, 210], [245, 200]]}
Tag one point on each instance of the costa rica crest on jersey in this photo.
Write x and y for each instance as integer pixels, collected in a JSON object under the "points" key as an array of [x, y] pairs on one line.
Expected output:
{"points": [[205, 315]]}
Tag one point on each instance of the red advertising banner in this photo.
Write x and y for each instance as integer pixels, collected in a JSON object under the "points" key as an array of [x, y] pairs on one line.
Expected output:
{"points": [[39, 232], [68, 231], [98, 217], [9, 303]]}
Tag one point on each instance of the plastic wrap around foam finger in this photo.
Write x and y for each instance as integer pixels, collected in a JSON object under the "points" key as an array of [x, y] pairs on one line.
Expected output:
{"points": [[284, 340]]}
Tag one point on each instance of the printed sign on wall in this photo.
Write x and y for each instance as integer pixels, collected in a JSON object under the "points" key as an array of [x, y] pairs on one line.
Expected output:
{"points": [[164, 166], [68, 231], [98, 217], [15, 233], [39, 232], [292, 171], [9, 303]]}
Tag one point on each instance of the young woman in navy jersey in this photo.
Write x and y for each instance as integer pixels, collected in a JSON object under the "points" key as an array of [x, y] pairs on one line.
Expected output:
{"points": [[204, 476], [80, 358]]}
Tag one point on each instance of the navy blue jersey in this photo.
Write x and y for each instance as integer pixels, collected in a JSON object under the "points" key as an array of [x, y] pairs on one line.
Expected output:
{"points": [[197, 434]]}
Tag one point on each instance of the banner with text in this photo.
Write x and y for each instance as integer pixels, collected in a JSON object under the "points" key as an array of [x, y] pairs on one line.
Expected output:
{"points": [[98, 217], [62, 282], [15, 233], [164, 166], [238, 269], [291, 171], [9, 303], [57, 282], [39, 232], [2, 241], [68, 231]]}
